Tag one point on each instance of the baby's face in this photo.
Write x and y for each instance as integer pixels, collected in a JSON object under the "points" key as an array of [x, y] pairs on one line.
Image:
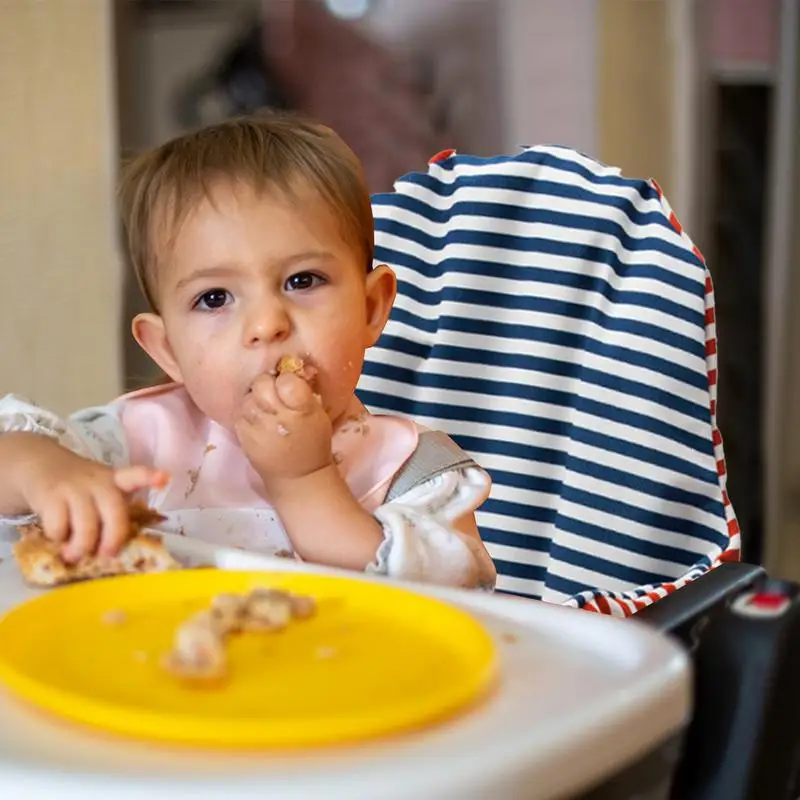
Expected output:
{"points": [[255, 277]]}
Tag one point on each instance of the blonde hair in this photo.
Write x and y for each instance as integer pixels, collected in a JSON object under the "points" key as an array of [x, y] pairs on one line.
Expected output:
{"points": [[273, 151]]}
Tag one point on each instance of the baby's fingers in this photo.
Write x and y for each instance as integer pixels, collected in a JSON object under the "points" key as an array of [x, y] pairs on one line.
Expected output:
{"points": [[54, 519], [84, 527], [113, 508], [294, 393], [131, 479], [262, 393], [254, 413]]}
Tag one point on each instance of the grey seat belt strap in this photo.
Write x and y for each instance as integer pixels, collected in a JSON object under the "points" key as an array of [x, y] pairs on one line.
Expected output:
{"points": [[436, 454]]}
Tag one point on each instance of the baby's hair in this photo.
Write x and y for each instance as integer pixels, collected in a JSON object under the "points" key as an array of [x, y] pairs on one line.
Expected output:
{"points": [[271, 151]]}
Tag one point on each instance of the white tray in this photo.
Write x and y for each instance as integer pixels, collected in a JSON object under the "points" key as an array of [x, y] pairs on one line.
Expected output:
{"points": [[580, 697]]}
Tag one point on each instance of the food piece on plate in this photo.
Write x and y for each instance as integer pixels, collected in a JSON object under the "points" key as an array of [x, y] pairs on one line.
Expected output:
{"points": [[278, 605], [199, 650], [41, 564], [272, 609], [303, 607], [267, 610], [229, 612]]}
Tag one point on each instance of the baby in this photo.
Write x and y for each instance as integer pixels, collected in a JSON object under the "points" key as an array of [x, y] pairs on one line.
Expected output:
{"points": [[253, 243]]}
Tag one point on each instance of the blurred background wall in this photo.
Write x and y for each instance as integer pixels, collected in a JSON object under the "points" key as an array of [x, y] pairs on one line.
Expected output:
{"points": [[700, 94], [60, 271]]}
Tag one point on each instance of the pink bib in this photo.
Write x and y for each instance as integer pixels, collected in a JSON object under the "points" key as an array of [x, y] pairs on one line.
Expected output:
{"points": [[215, 494]]}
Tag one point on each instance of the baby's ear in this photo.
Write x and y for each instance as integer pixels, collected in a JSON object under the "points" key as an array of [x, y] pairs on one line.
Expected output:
{"points": [[381, 291], [149, 331]]}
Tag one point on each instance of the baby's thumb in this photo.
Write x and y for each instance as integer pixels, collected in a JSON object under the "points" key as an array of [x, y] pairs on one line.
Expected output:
{"points": [[294, 392], [131, 479]]}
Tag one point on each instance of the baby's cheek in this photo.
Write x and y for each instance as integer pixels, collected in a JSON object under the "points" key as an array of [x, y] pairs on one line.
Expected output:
{"points": [[342, 374], [213, 388]]}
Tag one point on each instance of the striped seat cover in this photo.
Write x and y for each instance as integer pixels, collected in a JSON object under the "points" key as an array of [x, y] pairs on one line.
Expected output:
{"points": [[554, 319]]}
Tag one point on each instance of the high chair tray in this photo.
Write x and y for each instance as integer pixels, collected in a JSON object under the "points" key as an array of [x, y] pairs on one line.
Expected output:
{"points": [[578, 698]]}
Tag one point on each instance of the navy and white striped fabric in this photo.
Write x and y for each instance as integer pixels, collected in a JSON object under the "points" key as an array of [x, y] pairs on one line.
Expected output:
{"points": [[553, 318]]}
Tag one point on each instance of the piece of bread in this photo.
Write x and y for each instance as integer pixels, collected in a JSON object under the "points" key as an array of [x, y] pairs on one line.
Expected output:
{"points": [[290, 364], [41, 564], [297, 366], [141, 516]]}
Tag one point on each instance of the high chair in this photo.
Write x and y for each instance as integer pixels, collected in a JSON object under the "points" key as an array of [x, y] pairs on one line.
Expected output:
{"points": [[555, 320]]}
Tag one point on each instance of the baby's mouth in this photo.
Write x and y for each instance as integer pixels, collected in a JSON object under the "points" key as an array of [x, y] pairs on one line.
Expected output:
{"points": [[294, 365]]}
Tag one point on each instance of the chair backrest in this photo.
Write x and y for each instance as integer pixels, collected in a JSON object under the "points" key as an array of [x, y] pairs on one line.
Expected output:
{"points": [[554, 319]]}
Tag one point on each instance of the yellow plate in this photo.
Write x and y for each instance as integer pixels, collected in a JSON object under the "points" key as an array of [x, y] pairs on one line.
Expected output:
{"points": [[374, 660]]}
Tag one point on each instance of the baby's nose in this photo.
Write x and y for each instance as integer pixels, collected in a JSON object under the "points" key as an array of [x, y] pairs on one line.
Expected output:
{"points": [[267, 323]]}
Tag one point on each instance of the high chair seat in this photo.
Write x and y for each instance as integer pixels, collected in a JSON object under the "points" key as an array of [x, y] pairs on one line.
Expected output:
{"points": [[556, 321]]}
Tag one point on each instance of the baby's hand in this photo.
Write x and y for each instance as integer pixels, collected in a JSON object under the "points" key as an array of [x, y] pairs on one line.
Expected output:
{"points": [[83, 503], [284, 431]]}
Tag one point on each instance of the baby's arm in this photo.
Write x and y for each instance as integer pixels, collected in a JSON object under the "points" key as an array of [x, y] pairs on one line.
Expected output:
{"points": [[427, 535], [71, 474]]}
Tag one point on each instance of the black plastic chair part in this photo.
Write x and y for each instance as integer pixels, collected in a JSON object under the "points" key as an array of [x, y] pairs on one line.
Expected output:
{"points": [[743, 630]]}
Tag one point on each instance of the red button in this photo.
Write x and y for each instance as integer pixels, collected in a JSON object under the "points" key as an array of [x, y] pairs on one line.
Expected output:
{"points": [[767, 600]]}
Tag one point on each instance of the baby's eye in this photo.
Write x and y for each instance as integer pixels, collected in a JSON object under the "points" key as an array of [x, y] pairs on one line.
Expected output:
{"points": [[303, 281], [213, 299]]}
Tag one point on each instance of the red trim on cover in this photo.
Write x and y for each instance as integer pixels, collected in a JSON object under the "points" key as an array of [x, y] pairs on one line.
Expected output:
{"points": [[442, 155]]}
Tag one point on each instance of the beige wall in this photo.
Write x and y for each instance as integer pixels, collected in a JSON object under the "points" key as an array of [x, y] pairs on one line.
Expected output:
{"points": [[634, 88], [59, 266]]}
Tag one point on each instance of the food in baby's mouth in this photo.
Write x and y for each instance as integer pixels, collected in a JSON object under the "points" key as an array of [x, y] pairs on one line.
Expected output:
{"points": [[292, 364], [295, 365]]}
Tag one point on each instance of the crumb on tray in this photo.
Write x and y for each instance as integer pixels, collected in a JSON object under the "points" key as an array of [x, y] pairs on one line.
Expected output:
{"points": [[115, 616]]}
